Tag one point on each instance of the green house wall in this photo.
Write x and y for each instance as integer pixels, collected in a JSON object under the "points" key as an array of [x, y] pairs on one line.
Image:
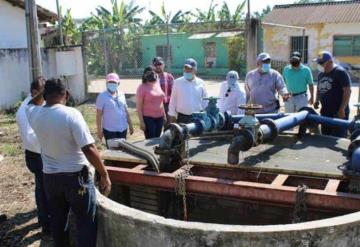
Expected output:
{"points": [[182, 48]]}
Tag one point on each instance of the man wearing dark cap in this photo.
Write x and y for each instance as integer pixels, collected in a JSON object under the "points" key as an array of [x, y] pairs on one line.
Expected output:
{"points": [[67, 148], [262, 84], [166, 82], [298, 77], [333, 92], [187, 94]]}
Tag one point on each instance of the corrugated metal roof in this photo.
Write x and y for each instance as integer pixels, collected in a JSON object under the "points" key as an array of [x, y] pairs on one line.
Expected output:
{"points": [[228, 34], [201, 35], [43, 14], [303, 14]]}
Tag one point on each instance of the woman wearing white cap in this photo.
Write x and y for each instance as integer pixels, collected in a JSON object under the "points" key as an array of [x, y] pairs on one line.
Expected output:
{"points": [[231, 95]]}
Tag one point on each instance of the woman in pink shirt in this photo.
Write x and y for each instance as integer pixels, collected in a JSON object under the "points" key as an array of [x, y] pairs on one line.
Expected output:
{"points": [[149, 105]]}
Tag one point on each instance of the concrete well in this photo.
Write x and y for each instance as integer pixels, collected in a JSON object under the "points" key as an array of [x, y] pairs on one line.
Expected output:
{"points": [[123, 226]]}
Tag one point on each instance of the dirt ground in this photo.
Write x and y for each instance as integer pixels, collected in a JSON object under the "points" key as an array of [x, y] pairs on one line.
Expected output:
{"points": [[17, 198]]}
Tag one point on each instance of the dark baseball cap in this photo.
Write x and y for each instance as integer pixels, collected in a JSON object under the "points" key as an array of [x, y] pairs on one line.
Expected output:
{"points": [[323, 57], [191, 63], [295, 56], [158, 61]]}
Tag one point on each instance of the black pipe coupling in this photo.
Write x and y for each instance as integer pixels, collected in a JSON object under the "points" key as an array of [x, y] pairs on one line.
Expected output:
{"points": [[268, 136]]}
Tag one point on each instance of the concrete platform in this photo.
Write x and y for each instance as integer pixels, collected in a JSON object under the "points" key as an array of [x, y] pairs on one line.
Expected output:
{"points": [[312, 155]]}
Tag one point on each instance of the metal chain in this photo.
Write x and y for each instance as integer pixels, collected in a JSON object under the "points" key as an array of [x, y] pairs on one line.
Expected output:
{"points": [[180, 186], [300, 209]]}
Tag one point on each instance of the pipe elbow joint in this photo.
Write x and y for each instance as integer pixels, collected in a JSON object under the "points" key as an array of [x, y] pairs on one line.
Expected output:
{"points": [[242, 142]]}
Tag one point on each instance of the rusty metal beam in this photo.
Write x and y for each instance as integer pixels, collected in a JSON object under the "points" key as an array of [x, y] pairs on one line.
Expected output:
{"points": [[272, 192]]}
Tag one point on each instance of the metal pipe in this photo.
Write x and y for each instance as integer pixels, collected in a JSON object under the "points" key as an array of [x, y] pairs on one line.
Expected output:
{"points": [[335, 122], [237, 118], [291, 121], [60, 23], [355, 160]]}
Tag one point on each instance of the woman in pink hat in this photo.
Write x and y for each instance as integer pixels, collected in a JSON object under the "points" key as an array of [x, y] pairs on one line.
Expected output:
{"points": [[112, 116]]}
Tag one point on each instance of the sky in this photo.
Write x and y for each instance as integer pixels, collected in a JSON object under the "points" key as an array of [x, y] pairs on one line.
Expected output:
{"points": [[83, 8]]}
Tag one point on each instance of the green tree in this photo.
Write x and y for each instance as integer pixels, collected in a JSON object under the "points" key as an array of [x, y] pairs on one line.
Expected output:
{"points": [[114, 36], [70, 31], [165, 17], [263, 12], [206, 16]]}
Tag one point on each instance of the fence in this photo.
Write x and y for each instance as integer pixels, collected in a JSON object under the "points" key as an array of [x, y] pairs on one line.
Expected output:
{"points": [[217, 47]]}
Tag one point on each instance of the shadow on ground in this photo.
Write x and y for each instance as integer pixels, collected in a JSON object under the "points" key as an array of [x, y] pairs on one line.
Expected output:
{"points": [[22, 230]]}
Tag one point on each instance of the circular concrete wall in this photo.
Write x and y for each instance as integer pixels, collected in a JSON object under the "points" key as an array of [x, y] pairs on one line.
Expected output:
{"points": [[123, 226]]}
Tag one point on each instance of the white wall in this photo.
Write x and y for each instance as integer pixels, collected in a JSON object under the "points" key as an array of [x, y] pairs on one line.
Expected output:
{"points": [[12, 26], [14, 74]]}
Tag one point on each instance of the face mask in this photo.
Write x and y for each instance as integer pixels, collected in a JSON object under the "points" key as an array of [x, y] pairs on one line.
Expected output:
{"points": [[295, 64], [112, 87], [232, 82], [266, 67], [188, 76], [320, 68]]}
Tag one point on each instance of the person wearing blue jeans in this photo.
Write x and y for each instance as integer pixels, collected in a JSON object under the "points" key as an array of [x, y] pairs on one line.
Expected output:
{"points": [[153, 126], [113, 134], [32, 155], [75, 191], [67, 150], [35, 165]]}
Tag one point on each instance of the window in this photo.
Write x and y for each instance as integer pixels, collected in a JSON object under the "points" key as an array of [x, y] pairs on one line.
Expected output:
{"points": [[210, 54], [162, 51], [347, 45], [297, 45]]}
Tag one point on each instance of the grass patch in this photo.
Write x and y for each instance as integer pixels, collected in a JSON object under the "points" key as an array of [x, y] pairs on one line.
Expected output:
{"points": [[9, 149]]}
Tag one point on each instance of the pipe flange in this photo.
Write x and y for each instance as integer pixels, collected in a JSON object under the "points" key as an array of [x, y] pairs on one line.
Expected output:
{"points": [[249, 139], [221, 122], [272, 125], [355, 134], [353, 145]]}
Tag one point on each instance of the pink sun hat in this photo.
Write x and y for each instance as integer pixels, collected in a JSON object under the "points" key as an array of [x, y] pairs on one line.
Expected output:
{"points": [[113, 77]]}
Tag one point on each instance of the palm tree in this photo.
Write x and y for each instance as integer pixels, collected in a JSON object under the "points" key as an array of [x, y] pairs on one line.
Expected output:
{"points": [[71, 32], [225, 16], [166, 18], [117, 28], [207, 16]]}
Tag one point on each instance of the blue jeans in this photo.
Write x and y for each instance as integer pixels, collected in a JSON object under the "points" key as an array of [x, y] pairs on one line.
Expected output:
{"points": [[153, 126], [75, 191], [35, 165], [113, 134]]}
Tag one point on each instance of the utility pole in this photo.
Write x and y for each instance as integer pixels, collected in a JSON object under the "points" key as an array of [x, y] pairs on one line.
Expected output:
{"points": [[60, 23], [32, 28]]}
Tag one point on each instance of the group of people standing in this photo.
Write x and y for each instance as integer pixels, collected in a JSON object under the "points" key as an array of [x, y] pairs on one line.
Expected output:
{"points": [[161, 100], [59, 147]]}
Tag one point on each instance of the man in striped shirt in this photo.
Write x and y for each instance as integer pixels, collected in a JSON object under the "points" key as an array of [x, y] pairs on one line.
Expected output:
{"points": [[166, 83]]}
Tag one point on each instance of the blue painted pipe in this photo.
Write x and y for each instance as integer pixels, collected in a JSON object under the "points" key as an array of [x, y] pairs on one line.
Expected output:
{"points": [[355, 160], [291, 120], [237, 118], [335, 122]]}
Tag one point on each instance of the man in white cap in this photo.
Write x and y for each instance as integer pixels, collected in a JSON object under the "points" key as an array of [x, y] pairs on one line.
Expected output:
{"points": [[231, 95], [112, 116], [262, 84], [187, 94]]}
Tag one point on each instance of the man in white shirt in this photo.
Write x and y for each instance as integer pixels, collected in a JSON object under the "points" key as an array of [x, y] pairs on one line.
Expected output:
{"points": [[231, 95], [32, 154], [67, 147], [187, 94], [112, 116]]}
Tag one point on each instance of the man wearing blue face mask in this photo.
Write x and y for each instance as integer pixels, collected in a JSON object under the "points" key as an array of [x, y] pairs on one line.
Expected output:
{"points": [[262, 84], [187, 94], [112, 116]]}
